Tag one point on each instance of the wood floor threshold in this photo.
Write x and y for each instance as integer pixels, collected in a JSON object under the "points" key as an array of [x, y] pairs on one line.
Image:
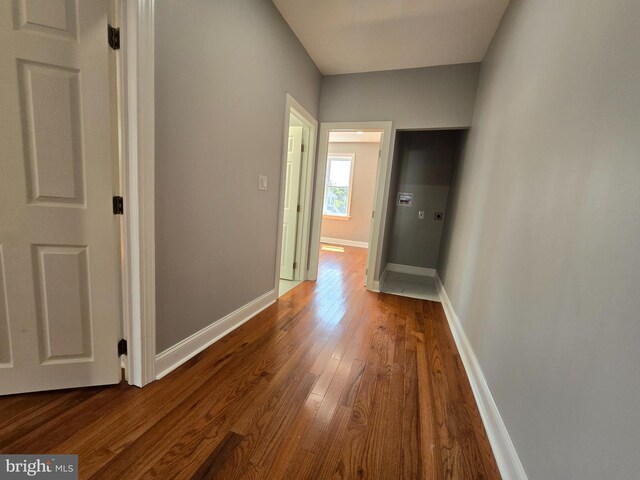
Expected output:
{"points": [[330, 382]]}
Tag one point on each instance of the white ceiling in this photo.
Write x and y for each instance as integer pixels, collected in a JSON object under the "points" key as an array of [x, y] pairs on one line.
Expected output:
{"points": [[354, 137], [347, 36]]}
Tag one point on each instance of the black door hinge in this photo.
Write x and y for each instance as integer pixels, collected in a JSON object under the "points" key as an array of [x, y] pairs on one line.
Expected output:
{"points": [[118, 205], [113, 36], [122, 347]]}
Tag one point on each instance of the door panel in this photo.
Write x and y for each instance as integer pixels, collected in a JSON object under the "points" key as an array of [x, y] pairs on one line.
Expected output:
{"points": [[291, 197], [50, 100], [59, 307], [62, 285], [53, 17]]}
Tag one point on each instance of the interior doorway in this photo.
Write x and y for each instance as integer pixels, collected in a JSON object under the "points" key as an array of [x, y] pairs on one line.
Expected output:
{"points": [[295, 196], [333, 216], [298, 138], [349, 191], [423, 169]]}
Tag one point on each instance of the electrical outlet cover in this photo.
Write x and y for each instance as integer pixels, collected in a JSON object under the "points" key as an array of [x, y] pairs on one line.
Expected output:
{"points": [[262, 182]]}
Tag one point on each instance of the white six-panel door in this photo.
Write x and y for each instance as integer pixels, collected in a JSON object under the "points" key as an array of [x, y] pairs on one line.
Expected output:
{"points": [[58, 250], [291, 195]]}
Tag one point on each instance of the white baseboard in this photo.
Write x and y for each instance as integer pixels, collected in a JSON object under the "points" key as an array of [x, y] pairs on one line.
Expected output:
{"points": [[503, 449], [411, 270], [348, 243], [176, 355], [384, 275], [378, 283]]}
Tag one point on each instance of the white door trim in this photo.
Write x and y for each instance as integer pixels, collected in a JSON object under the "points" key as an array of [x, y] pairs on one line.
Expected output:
{"points": [[380, 200], [306, 188], [138, 158]]}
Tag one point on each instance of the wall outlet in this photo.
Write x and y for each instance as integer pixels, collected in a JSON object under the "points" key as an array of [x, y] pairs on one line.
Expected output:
{"points": [[438, 216], [262, 182], [421, 215]]}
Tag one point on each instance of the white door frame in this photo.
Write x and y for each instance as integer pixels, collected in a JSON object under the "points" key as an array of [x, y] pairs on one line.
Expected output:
{"points": [[137, 145], [379, 203], [306, 188]]}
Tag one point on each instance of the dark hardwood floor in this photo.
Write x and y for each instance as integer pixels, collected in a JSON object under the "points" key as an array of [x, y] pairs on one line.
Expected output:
{"points": [[330, 382]]}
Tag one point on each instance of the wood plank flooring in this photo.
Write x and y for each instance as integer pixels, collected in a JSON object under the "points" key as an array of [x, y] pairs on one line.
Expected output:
{"points": [[330, 382]]}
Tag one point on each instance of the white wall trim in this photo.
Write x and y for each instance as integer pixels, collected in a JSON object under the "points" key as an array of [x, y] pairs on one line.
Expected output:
{"points": [[411, 270], [378, 283], [182, 351], [137, 118], [503, 448], [341, 241], [306, 189], [379, 203]]}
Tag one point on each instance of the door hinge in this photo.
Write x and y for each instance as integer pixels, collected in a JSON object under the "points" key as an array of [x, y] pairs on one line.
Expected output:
{"points": [[113, 37], [302, 148], [118, 205], [299, 209], [295, 265], [122, 347]]}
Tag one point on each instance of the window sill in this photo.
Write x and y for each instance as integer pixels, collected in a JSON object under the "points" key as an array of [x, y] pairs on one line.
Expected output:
{"points": [[336, 217]]}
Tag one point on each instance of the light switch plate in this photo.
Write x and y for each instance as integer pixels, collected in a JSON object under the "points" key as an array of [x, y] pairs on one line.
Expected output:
{"points": [[262, 182]]}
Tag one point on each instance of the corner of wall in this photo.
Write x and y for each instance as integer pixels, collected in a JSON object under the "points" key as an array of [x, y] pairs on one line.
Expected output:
{"points": [[173, 357]]}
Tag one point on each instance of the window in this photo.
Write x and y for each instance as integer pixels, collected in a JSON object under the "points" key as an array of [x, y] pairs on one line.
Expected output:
{"points": [[337, 190]]}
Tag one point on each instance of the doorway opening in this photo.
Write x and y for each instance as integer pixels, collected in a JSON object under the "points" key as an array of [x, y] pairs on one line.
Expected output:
{"points": [[295, 196], [350, 193], [424, 164], [349, 189]]}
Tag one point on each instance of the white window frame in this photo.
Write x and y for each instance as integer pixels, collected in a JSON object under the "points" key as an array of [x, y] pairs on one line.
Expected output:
{"points": [[352, 156]]}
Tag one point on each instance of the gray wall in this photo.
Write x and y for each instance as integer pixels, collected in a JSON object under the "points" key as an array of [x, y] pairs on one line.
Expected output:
{"points": [[358, 226], [222, 70], [542, 263], [417, 98], [433, 97], [425, 162]]}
